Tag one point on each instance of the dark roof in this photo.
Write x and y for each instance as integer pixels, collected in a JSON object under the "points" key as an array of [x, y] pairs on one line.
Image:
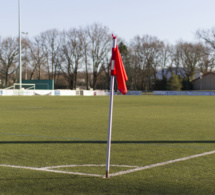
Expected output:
{"points": [[204, 75]]}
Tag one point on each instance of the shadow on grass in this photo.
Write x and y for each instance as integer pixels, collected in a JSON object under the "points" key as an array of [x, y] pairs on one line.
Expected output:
{"points": [[113, 142]]}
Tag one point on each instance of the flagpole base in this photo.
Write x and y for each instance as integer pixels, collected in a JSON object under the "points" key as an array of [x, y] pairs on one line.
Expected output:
{"points": [[107, 174]]}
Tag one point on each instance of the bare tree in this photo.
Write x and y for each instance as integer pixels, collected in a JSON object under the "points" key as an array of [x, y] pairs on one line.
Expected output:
{"points": [[51, 46], [166, 60], [25, 58], [99, 47], [207, 63], [86, 59], [208, 36], [147, 53], [8, 57], [104, 74], [138, 63], [72, 53], [188, 56], [36, 58]]}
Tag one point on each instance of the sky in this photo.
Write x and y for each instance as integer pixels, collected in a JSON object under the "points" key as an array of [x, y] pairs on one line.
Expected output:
{"points": [[168, 20]]}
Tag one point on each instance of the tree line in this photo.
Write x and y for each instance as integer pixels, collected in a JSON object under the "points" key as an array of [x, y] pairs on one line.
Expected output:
{"points": [[84, 54]]}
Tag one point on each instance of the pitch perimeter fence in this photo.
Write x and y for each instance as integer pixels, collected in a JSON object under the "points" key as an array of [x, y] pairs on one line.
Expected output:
{"points": [[189, 93], [24, 92]]}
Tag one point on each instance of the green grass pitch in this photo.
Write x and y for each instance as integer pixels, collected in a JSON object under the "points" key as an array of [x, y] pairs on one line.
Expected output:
{"points": [[54, 131]]}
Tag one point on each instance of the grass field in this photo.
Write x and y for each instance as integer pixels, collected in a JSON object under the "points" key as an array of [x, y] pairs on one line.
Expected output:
{"points": [[50, 132]]}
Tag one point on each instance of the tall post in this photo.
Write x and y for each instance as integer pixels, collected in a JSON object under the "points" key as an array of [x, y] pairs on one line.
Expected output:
{"points": [[110, 110], [20, 48]]}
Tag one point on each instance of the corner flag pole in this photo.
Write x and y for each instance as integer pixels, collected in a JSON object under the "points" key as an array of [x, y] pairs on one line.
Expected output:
{"points": [[20, 49], [110, 109]]}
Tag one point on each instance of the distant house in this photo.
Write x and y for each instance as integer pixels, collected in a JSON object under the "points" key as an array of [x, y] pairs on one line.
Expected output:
{"points": [[206, 82]]}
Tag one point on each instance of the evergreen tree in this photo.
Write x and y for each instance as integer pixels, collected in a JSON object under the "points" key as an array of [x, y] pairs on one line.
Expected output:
{"points": [[174, 83]]}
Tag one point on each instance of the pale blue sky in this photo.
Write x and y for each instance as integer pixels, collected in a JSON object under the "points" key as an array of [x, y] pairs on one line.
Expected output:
{"points": [[169, 20]]}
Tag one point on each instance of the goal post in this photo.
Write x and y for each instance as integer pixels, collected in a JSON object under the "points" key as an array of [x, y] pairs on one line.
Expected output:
{"points": [[24, 86]]}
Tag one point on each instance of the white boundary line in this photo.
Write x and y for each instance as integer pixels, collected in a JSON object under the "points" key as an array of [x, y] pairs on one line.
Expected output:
{"points": [[136, 168], [90, 165], [50, 170], [162, 164]]}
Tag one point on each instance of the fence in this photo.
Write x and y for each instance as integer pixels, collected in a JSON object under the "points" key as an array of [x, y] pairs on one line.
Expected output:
{"points": [[190, 93], [24, 92]]}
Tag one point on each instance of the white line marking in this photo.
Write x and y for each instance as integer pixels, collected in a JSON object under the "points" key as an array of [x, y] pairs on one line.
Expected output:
{"points": [[53, 171], [136, 168], [161, 164], [90, 165]]}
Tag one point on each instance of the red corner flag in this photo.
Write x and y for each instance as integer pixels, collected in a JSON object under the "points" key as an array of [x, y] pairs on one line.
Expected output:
{"points": [[119, 70]]}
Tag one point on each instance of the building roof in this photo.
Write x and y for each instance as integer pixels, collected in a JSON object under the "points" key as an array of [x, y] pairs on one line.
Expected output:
{"points": [[213, 73]]}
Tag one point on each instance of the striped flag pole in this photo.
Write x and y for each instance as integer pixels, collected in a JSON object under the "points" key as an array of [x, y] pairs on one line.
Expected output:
{"points": [[110, 108]]}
